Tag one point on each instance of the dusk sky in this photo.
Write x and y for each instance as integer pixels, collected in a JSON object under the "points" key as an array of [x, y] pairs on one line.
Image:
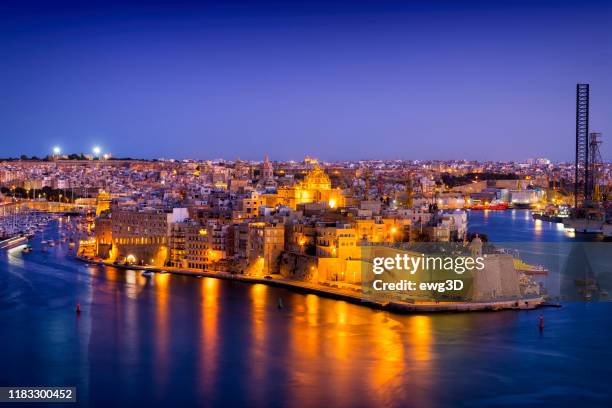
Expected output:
{"points": [[336, 80]]}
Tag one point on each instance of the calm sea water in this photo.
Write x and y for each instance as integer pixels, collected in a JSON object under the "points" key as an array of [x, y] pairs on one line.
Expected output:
{"points": [[174, 340], [566, 256]]}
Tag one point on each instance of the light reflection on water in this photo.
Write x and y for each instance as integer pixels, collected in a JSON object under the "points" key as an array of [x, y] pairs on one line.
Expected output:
{"points": [[208, 339], [14, 256], [162, 356], [189, 341], [259, 350], [537, 227]]}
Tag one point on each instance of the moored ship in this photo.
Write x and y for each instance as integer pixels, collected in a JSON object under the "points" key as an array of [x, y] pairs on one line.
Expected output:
{"points": [[495, 205], [552, 213], [587, 221], [13, 242]]}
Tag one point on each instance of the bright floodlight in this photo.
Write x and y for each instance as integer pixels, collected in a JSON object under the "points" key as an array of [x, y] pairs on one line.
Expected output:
{"points": [[56, 150], [96, 151]]}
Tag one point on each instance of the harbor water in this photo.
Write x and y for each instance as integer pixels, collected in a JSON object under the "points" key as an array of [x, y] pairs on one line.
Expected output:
{"points": [[170, 340]]}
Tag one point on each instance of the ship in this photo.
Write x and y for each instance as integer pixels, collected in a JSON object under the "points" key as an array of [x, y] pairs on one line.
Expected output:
{"points": [[495, 205], [587, 221], [552, 213]]}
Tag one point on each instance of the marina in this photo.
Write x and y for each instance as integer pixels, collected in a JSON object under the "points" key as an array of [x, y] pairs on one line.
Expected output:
{"points": [[20, 223]]}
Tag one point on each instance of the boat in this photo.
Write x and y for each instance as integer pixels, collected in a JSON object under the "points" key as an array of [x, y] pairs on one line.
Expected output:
{"points": [[528, 269], [12, 242], [584, 225], [27, 249], [546, 217], [495, 205], [147, 274], [587, 221], [552, 213]]}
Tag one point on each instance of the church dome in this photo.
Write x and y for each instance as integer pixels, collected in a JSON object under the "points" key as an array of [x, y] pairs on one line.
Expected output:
{"points": [[316, 179]]}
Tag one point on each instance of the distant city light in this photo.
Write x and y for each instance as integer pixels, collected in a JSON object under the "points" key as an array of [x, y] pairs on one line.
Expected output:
{"points": [[106, 156], [97, 150], [57, 150]]}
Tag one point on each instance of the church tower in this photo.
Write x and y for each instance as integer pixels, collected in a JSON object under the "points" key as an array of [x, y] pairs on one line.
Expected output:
{"points": [[267, 170], [267, 173]]}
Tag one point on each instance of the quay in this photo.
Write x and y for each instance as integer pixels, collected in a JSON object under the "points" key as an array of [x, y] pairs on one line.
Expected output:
{"points": [[353, 296]]}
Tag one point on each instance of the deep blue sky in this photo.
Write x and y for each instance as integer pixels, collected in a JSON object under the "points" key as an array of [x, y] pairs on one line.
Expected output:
{"points": [[380, 79]]}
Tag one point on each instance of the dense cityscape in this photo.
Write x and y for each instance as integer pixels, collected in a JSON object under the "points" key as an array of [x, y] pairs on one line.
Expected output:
{"points": [[306, 204], [296, 222]]}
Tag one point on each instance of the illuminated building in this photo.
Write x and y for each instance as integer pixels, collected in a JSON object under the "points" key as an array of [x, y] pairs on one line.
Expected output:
{"points": [[338, 254], [204, 245], [382, 229], [87, 248], [102, 202], [316, 188], [248, 207], [301, 239], [140, 235], [103, 235], [196, 247], [267, 173], [259, 247], [176, 243]]}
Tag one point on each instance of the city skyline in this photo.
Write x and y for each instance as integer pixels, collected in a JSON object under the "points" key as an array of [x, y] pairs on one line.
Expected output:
{"points": [[335, 203], [341, 82], [57, 153]]}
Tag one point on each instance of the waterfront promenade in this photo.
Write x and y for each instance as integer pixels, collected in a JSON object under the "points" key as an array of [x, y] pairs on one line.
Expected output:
{"points": [[347, 292]]}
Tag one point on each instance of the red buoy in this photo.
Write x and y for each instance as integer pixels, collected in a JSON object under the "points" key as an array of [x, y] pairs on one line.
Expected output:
{"points": [[541, 322]]}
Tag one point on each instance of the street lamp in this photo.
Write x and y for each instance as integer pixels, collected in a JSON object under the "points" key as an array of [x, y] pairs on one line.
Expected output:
{"points": [[96, 151], [57, 150]]}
